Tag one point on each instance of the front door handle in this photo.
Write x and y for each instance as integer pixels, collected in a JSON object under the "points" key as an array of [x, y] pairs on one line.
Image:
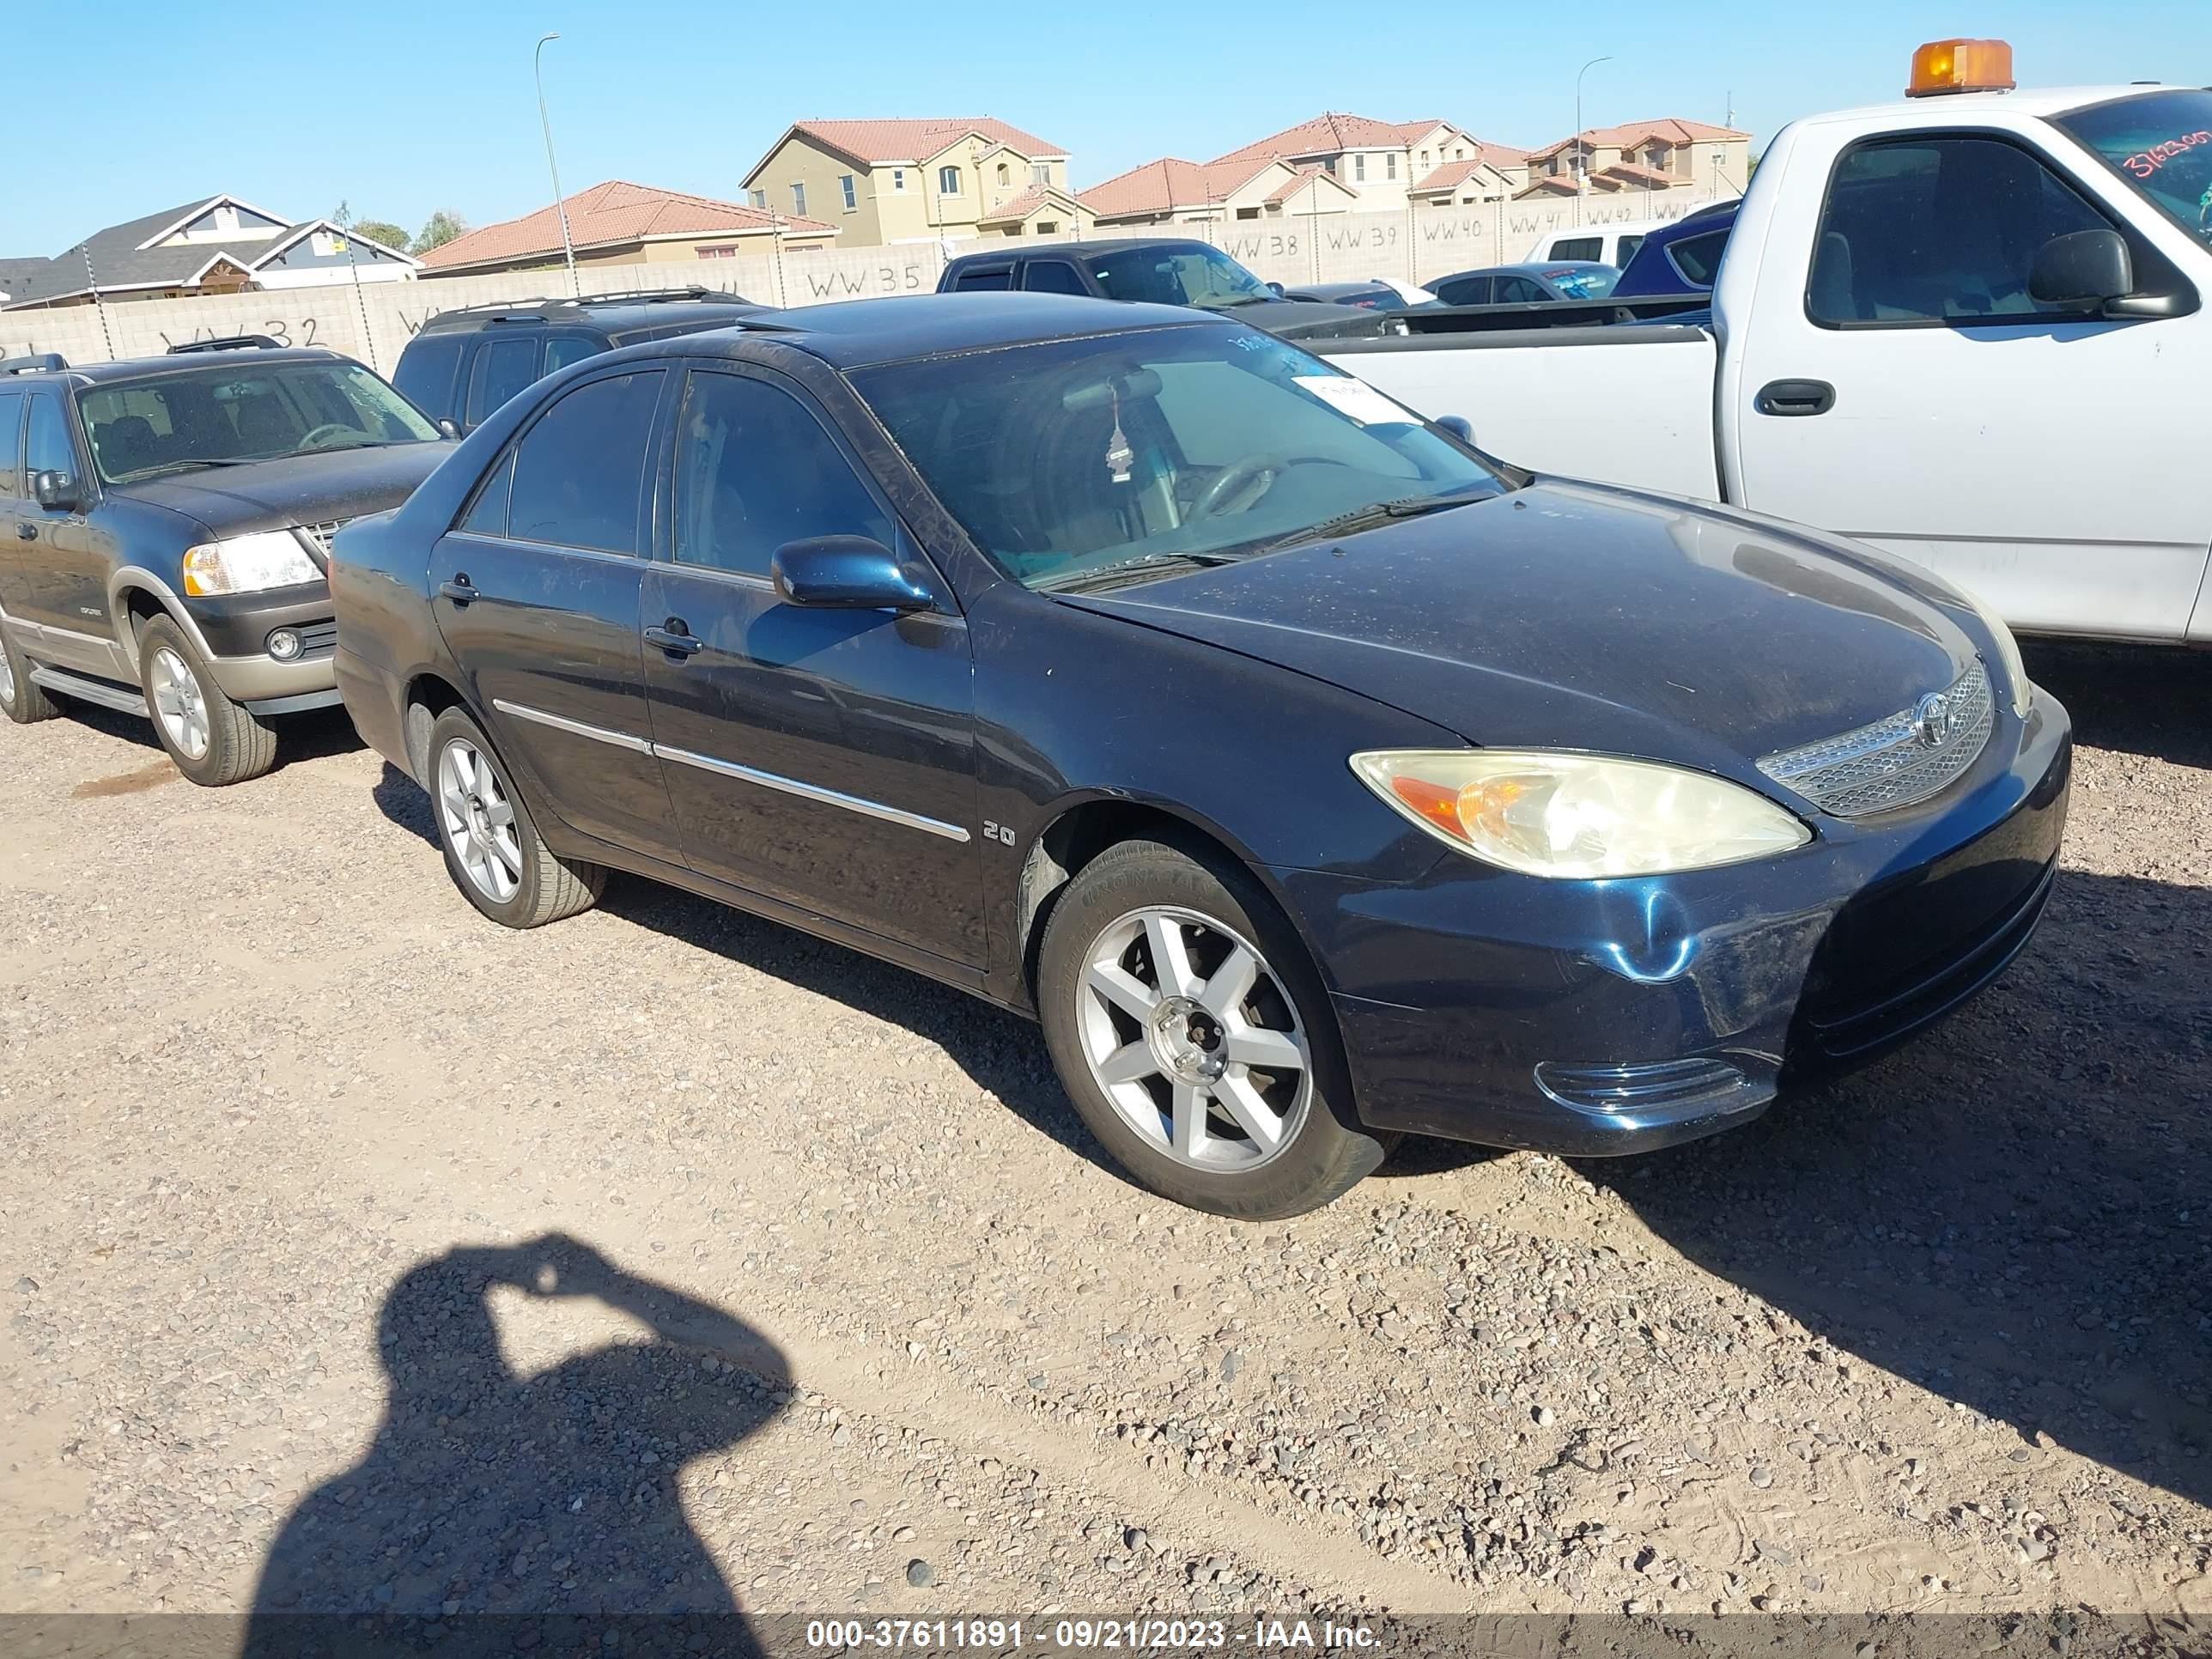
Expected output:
{"points": [[460, 590], [1794, 398], [28, 532], [675, 638]]}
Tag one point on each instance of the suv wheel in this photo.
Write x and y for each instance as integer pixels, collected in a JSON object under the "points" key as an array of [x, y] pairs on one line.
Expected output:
{"points": [[214, 741], [1194, 1035], [20, 700], [493, 850]]}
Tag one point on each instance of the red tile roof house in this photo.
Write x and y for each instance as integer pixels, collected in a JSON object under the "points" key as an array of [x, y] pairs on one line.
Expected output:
{"points": [[1666, 154], [617, 224], [945, 178], [1174, 191]]}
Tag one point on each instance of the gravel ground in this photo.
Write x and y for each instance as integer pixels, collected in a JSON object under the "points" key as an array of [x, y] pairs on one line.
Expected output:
{"points": [[363, 1255]]}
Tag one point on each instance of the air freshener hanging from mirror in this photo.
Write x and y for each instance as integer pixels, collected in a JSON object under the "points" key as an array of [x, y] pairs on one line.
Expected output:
{"points": [[1120, 458]]}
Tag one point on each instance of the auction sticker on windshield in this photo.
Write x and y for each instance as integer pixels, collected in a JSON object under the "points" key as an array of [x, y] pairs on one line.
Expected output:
{"points": [[1355, 399]]}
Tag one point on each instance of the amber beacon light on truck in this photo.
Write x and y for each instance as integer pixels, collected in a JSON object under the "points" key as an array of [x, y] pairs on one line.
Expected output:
{"points": [[1943, 66]]}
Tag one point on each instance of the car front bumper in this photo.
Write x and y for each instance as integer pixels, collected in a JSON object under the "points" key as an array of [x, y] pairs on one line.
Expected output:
{"points": [[235, 631], [1613, 1016]]}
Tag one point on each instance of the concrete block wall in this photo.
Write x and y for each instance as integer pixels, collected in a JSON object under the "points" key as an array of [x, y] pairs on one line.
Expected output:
{"points": [[374, 322]]}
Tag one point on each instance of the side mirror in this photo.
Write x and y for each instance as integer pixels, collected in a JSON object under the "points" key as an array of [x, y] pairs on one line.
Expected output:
{"points": [[1275, 288], [57, 492], [446, 425], [845, 572], [1459, 425], [2083, 268]]}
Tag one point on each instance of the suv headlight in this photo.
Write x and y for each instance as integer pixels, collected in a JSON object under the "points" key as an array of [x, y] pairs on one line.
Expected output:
{"points": [[246, 564], [1578, 816]]}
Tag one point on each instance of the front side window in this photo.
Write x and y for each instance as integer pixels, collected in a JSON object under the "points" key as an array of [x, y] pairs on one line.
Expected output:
{"points": [[1938, 230], [1069, 459], [48, 448], [579, 470], [948, 181], [1052, 276], [502, 368], [11, 442], [1186, 276], [754, 469], [241, 412], [850, 190], [1578, 247], [1626, 251], [2161, 144]]}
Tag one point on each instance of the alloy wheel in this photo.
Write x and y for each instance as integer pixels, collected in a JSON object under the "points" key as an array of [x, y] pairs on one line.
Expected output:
{"points": [[1193, 1039], [178, 703], [7, 675], [479, 820]]}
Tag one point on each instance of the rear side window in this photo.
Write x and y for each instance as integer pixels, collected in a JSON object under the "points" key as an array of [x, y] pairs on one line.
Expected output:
{"points": [[562, 350], [1522, 291], [1938, 230], [1578, 247], [502, 368], [11, 442], [579, 470], [427, 370], [1467, 291], [1052, 276], [754, 469], [1626, 251], [977, 282], [1697, 259]]}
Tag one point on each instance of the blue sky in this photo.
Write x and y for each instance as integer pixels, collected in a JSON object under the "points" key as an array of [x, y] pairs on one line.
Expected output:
{"points": [[401, 106]]}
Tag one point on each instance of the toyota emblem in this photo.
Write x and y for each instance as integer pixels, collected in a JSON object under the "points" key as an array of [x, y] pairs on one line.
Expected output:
{"points": [[1931, 720]]}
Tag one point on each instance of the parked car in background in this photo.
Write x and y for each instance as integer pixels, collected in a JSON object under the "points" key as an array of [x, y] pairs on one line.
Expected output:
{"points": [[1526, 285], [1613, 245], [1684, 257], [1378, 293], [1312, 779], [461, 365], [1157, 271], [163, 528], [1970, 328]]}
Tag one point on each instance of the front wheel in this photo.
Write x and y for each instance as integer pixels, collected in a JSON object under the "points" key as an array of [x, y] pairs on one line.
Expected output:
{"points": [[214, 740], [1194, 1035], [493, 850]]}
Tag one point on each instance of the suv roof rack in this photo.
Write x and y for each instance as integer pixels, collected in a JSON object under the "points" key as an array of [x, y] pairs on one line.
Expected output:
{"points": [[40, 362], [547, 307], [227, 343]]}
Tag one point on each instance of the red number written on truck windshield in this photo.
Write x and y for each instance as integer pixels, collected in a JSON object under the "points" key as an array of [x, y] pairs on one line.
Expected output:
{"points": [[2145, 163]]}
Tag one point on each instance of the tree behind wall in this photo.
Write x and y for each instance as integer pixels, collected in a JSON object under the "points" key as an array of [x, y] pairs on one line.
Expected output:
{"points": [[381, 230], [441, 228]]}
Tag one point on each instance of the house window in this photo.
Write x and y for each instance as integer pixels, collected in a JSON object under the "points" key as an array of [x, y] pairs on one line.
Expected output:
{"points": [[898, 181], [721, 251], [1040, 172], [948, 181], [852, 193], [1047, 227], [798, 200], [1006, 174], [1425, 161], [1390, 164], [758, 198], [1248, 213], [1360, 169]]}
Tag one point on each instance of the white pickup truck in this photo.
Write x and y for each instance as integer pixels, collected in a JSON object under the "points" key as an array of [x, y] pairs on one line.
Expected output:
{"points": [[1971, 329]]}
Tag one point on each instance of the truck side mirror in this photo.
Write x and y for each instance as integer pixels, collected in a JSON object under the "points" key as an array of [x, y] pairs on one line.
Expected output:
{"points": [[57, 492], [1459, 425], [2083, 268]]}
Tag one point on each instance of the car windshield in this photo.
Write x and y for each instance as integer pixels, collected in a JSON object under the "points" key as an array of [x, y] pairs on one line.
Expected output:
{"points": [[241, 411], [1182, 276], [1068, 460], [2161, 144]]}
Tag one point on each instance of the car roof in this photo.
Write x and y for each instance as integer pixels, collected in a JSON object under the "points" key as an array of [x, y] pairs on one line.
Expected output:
{"points": [[140, 368], [1078, 250], [855, 333], [611, 313]]}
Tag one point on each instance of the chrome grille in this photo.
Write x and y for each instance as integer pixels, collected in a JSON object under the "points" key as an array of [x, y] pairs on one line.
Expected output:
{"points": [[320, 534], [1891, 763]]}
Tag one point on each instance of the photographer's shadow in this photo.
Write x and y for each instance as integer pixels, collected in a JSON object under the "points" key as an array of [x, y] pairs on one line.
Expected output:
{"points": [[488, 1491]]}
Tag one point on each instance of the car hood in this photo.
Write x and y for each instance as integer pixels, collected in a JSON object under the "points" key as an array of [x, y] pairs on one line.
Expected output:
{"points": [[1575, 617], [330, 485], [1311, 320]]}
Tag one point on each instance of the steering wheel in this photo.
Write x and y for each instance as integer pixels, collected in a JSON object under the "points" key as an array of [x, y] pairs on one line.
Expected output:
{"points": [[1233, 479], [329, 429]]}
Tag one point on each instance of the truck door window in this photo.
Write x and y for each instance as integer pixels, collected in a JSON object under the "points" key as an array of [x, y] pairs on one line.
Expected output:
{"points": [[11, 443], [1937, 230], [974, 282], [1052, 276], [50, 449], [1578, 247]]}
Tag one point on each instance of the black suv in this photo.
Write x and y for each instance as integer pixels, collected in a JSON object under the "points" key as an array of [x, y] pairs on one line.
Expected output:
{"points": [[464, 364], [165, 527], [1160, 271]]}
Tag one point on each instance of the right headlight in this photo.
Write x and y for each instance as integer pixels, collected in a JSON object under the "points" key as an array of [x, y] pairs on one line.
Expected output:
{"points": [[2015, 670], [247, 564], [1578, 816]]}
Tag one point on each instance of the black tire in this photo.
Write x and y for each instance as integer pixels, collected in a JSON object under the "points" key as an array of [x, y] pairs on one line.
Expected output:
{"points": [[1328, 1151], [21, 701], [546, 887], [240, 745]]}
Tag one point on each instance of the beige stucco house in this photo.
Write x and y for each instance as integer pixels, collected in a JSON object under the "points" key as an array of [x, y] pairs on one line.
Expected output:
{"points": [[1174, 191], [882, 182], [1668, 153]]}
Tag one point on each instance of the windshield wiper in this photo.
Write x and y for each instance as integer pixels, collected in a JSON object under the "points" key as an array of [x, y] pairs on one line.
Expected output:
{"points": [[185, 466], [1113, 574], [1366, 518]]}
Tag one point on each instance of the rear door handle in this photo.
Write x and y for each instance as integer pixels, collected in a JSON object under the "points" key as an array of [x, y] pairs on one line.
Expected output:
{"points": [[1794, 398], [675, 638], [459, 590]]}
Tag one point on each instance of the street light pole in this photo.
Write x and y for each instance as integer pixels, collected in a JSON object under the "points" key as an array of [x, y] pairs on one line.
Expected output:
{"points": [[1581, 155], [560, 204]]}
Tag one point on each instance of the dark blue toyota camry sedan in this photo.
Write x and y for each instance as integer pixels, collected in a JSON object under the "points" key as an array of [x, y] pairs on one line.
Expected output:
{"points": [[1312, 778]]}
